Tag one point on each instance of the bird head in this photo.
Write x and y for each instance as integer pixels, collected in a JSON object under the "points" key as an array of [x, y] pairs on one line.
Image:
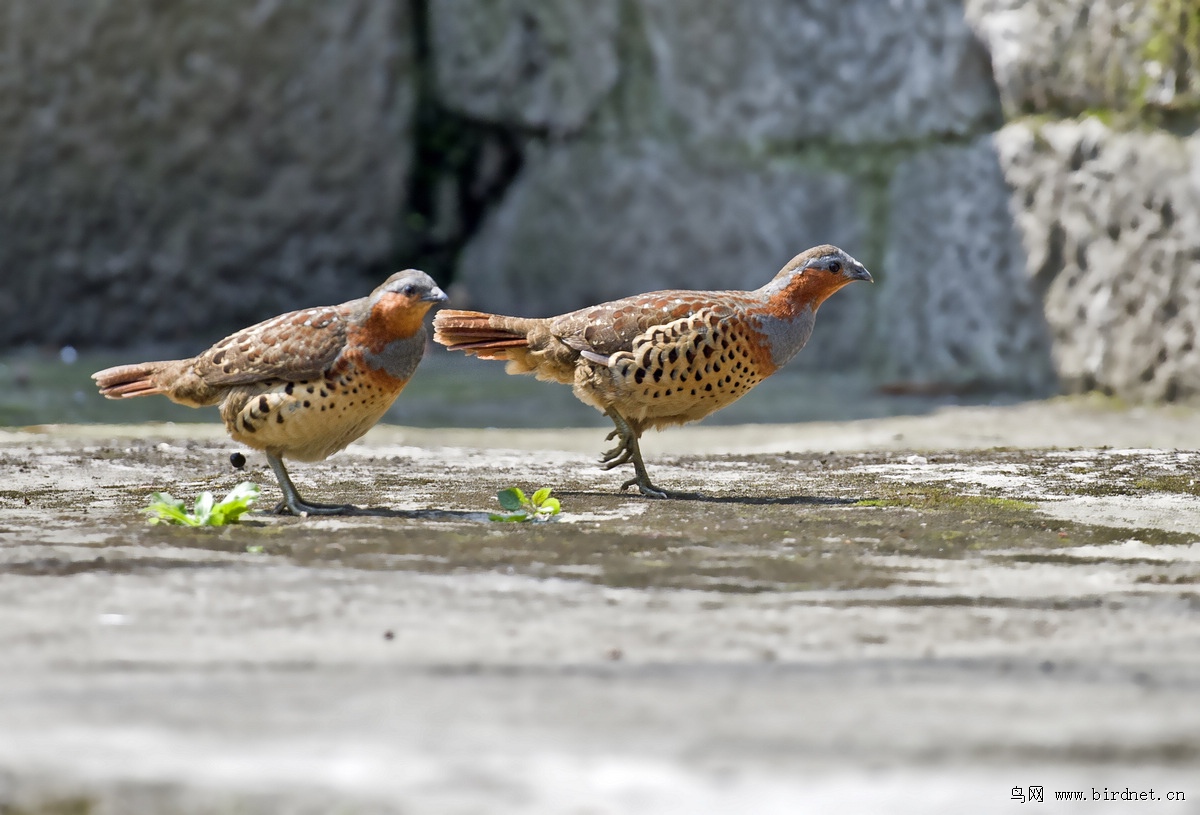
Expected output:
{"points": [[811, 276], [402, 300]]}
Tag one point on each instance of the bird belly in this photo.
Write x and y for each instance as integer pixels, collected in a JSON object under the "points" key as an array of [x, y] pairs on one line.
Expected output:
{"points": [[306, 421], [670, 402], [677, 375]]}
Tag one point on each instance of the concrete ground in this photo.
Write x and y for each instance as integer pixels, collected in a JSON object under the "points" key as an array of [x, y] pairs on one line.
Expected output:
{"points": [[908, 614]]}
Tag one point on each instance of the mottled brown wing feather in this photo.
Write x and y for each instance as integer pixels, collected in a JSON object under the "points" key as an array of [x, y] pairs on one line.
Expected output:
{"points": [[293, 347], [611, 327]]}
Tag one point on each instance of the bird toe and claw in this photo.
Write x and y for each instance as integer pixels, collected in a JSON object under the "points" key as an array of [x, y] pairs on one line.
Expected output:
{"points": [[300, 508], [625, 452], [648, 489], [618, 455]]}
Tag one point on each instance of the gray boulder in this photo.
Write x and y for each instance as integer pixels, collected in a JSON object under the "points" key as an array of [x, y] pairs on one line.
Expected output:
{"points": [[173, 170], [959, 307], [1070, 56], [527, 63], [771, 72], [1110, 223]]}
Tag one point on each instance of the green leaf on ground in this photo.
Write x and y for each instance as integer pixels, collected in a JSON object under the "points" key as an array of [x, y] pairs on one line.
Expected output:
{"points": [[511, 498], [538, 508], [165, 508]]}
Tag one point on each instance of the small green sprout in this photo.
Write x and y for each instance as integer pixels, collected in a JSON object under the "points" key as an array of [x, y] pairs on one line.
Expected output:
{"points": [[538, 508], [206, 512]]}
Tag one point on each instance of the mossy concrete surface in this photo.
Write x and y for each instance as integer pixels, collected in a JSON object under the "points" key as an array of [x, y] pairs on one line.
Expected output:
{"points": [[887, 615]]}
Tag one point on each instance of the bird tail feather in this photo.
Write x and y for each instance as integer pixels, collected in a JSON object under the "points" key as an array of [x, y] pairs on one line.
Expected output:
{"points": [[127, 381], [488, 336]]}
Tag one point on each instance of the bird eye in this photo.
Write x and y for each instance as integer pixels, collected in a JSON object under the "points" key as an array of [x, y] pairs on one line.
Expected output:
{"points": [[409, 290], [835, 267]]}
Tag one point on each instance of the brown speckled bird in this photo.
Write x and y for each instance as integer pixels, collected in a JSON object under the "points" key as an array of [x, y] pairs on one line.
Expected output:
{"points": [[663, 358], [302, 385]]}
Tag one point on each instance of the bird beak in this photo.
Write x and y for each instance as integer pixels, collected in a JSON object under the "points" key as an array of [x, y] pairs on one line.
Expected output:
{"points": [[436, 295], [859, 272]]}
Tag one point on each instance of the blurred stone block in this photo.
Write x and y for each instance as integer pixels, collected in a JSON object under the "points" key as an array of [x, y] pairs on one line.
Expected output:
{"points": [[1070, 56], [1111, 228], [171, 170], [957, 307], [851, 72], [541, 64], [587, 223]]}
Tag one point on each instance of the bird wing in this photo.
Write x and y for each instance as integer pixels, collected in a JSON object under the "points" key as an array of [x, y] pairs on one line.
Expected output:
{"points": [[292, 347], [603, 330]]}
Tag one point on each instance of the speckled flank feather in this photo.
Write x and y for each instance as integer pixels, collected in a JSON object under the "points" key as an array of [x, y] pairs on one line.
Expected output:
{"points": [[305, 384], [662, 358], [681, 371]]}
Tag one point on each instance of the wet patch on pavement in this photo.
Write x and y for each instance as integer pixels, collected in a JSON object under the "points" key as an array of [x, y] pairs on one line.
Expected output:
{"points": [[755, 523]]}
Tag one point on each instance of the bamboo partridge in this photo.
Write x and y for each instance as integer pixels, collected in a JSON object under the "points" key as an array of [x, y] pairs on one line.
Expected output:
{"points": [[663, 358], [302, 385]]}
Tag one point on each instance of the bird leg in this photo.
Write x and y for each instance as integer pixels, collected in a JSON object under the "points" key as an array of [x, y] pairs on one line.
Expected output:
{"points": [[628, 450], [292, 502]]}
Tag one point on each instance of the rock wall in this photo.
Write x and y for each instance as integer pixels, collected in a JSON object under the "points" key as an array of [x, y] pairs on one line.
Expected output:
{"points": [[1020, 175], [170, 170], [1110, 223], [525, 63], [734, 136], [1101, 158], [957, 308], [854, 73]]}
